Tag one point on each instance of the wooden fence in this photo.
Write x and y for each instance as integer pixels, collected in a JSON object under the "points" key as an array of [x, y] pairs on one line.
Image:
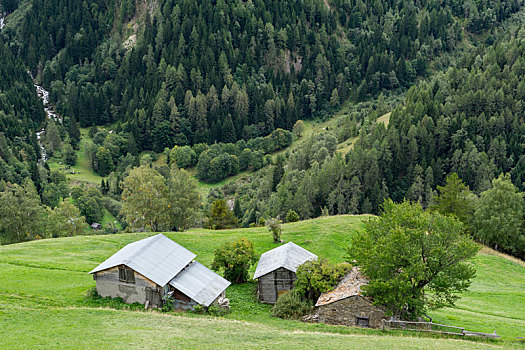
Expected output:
{"points": [[433, 328]]}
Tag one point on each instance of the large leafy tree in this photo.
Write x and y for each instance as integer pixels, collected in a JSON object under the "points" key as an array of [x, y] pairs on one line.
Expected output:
{"points": [[21, 213], [184, 199], [145, 199], [498, 220], [65, 220], [415, 260]]}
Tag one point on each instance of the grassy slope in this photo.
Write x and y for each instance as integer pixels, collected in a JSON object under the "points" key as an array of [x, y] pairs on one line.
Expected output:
{"points": [[83, 172], [44, 284]]}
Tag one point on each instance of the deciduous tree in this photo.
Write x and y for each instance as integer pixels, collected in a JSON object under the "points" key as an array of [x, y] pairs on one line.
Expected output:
{"points": [[145, 200], [415, 260], [21, 214], [184, 200], [498, 219]]}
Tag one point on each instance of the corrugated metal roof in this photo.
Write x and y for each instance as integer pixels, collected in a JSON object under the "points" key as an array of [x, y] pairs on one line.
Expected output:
{"points": [[200, 283], [157, 258], [349, 286], [289, 256]]}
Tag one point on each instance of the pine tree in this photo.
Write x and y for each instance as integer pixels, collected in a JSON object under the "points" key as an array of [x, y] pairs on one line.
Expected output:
{"points": [[228, 131]]}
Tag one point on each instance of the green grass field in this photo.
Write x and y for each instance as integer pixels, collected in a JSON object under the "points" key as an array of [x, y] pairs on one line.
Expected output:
{"points": [[43, 300], [83, 172]]}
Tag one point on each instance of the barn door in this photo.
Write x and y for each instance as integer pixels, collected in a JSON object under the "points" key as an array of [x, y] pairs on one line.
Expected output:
{"points": [[153, 297], [149, 295], [283, 281]]}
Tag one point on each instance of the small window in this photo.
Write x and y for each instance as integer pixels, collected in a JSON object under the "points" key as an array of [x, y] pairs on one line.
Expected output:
{"points": [[125, 274], [362, 321]]}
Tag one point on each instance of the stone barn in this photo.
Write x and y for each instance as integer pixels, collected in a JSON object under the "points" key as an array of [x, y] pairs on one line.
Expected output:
{"points": [[154, 269], [346, 306], [276, 269]]}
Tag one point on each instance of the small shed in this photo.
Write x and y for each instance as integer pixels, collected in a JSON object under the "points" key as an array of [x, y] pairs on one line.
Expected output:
{"points": [[276, 269], [154, 269], [345, 305], [96, 226]]}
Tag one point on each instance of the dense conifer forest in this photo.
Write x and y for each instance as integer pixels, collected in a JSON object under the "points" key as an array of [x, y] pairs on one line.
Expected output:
{"points": [[21, 114], [206, 71]]}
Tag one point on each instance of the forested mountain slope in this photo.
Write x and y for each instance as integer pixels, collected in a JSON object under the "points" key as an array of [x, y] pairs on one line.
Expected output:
{"points": [[205, 71], [21, 113], [468, 120]]}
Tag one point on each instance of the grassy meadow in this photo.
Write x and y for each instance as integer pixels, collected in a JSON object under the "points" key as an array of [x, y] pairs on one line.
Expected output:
{"points": [[44, 299]]}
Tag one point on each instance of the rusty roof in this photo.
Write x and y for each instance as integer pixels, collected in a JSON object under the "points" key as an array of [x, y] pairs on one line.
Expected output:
{"points": [[349, 286]]}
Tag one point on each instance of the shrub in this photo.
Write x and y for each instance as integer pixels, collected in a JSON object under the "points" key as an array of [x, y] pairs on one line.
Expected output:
{"points": [[212, 310], [274, 226], [315, 277], [168, 305], [291, 305], [292, 216], [234, 259]]}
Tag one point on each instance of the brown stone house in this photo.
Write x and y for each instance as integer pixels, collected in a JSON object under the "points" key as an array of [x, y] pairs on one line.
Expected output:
{"points": [[275, 272], [346, 306], [154, 269]]}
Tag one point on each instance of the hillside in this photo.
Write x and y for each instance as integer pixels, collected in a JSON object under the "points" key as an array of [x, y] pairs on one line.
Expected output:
{"points": [[44, 286]]}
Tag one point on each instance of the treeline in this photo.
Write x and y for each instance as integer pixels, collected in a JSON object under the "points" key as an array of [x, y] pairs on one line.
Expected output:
{"points": [[218, 161], [113, 152], [468, 121], [205, 72]]}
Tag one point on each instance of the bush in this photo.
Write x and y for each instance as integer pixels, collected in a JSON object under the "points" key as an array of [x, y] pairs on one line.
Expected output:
{"points": [[168, 305], [94, 299], [234, 259], [292, 216], [212, 310], [291, 305], [274, 226], [315, 277]]}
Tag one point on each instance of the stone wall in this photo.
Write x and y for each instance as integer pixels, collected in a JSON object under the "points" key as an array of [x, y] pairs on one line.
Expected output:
{"points": [[109, 285], [345, 312]]}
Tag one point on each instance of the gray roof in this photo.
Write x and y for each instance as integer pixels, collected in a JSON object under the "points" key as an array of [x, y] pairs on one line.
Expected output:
{"points": [[200, 283], [157, 258], [289, 256]]}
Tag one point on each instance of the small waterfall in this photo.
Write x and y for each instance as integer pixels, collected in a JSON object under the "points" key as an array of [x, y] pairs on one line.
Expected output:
{"points": [[2, 18]]}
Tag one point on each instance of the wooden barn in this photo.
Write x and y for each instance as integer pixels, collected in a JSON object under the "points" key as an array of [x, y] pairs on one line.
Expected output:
{"points": [[276, 269], [346, 306], [154, 269]]}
